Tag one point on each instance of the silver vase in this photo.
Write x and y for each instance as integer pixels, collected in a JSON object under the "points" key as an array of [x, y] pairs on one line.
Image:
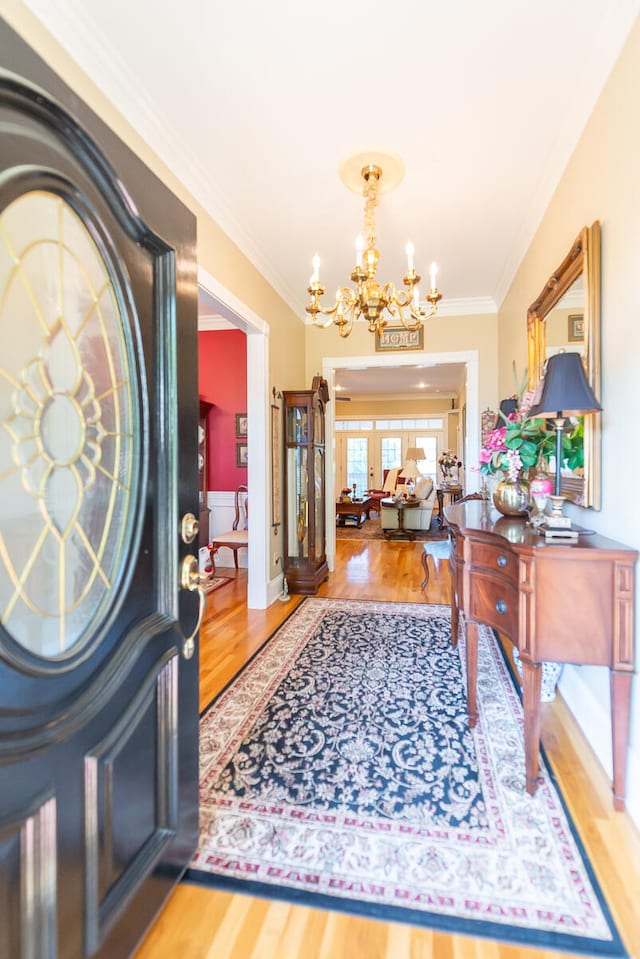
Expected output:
{"points": [[510, 498]]}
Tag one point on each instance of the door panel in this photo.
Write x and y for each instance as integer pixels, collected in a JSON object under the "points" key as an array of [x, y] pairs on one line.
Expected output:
{"points": [[98, 462]]}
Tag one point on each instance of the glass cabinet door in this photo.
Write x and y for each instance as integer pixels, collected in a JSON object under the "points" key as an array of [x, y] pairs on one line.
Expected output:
{"points": [[297, 429], [297, 504], [318, 502], [305, 523]]}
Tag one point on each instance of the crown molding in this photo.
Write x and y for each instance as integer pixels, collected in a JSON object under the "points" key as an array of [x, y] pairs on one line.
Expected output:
{"points": [[467, 306]]}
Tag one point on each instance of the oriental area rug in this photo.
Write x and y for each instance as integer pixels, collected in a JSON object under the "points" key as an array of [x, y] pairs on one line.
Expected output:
{"points": [[338, 770]]}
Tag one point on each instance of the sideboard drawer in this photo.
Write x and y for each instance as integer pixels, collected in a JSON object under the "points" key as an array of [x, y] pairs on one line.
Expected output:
{"points": [[495, 602], [498, 559]]}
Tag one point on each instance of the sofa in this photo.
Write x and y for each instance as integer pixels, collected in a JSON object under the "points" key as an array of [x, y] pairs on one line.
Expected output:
{"points": [[416, 517]]}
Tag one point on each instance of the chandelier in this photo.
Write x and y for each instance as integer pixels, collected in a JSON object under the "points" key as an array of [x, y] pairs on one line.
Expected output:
{"points": [[369, 299]]}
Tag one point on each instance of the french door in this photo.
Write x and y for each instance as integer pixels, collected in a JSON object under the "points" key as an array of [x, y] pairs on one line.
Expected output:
{"points": [[99, 593], [364, 456]]}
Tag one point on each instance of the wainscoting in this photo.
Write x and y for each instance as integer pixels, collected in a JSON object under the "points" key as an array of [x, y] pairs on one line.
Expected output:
{"points": [[221, 504]]}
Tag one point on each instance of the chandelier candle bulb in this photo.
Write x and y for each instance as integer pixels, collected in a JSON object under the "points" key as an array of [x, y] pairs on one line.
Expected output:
{"points": [[410, 249], [359, 249], [316, 269], [434, 273]]}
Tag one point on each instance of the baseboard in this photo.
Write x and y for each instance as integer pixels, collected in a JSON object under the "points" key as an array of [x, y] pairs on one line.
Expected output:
{"points": [[593, 716], [274, 589]]}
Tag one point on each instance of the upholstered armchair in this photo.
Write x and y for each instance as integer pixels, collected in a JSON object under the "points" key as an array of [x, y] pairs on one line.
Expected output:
{"points": [[416, 517]]}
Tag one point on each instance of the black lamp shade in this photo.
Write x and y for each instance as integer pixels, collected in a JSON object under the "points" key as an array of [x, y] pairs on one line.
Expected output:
{"points": [[565, 390]]}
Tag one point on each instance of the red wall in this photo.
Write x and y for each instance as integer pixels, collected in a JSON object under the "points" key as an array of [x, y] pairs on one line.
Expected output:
{"points": [[222, 368]]}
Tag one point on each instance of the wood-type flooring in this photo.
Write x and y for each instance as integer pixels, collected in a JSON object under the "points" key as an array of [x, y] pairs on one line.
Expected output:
{"points": [[200, 923]]}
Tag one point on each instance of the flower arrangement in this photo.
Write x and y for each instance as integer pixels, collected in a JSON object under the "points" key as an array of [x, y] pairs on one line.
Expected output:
{"points": [[523, 441], [519, 444], [448, 460]]}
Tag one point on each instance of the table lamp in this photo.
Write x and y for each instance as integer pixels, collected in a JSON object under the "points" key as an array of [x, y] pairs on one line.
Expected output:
{"points": [[564, 392], [410, 469]]}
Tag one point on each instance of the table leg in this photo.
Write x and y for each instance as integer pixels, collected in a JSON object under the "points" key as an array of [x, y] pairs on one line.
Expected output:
{"points": [[531, 682], [440, 498], [620, 714], [472, 672], [425, 566], [455, 620]]}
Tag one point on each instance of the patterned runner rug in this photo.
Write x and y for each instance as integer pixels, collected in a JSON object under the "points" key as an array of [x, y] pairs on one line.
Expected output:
{"points": [[338, 769]]}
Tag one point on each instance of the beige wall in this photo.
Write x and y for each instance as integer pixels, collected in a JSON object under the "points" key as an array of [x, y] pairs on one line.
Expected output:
{"points": [[446, 334], [391, 407], [600, 183]]}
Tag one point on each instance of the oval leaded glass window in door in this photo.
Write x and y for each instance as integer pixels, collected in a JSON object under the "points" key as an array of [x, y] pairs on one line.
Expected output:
{"points": [[66, 427]]}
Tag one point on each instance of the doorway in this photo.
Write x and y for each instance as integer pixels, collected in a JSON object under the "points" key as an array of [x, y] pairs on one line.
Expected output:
{"points": [[224, 303], [331, 364]]}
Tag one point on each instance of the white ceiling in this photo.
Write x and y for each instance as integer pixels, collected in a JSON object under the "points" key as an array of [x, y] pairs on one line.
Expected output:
{"points": [[254, 105], [446, 379]]}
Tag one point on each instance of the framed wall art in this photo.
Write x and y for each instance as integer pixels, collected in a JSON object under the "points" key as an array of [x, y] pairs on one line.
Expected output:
{"points": [[242, 454], [241, 425], [575, 332], [397, 338]]}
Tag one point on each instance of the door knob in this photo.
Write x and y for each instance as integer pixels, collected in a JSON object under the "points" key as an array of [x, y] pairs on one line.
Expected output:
{"points": [[189, 528]]}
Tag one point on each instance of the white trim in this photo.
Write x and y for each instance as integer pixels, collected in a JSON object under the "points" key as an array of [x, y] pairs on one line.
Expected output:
{"points": [[214, 324], [472, 453], [241, 315], [274, 588], [380, 397], [259, 473]]}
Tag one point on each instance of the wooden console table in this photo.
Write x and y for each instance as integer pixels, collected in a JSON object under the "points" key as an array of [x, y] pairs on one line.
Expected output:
{"points": [[567, 603]]}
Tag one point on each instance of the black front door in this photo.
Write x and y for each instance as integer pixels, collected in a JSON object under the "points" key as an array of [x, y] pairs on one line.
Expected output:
{"points": [[99, 599]]}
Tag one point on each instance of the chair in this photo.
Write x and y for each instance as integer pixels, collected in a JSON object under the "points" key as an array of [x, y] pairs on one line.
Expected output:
{"points": [[238, 536]]}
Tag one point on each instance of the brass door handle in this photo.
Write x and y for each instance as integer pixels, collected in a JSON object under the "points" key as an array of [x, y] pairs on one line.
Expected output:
{"points": [[191, 580]]}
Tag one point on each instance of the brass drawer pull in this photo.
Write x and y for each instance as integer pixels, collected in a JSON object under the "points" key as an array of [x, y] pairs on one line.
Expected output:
{"points": [[501, 606], [502, 561]]}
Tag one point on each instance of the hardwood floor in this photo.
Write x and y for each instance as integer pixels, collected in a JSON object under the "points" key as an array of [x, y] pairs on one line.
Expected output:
{"points": [[199, 923]]}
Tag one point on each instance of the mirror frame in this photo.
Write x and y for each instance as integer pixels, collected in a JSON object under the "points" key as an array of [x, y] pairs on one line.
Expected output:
{"points": [[583, 258]]}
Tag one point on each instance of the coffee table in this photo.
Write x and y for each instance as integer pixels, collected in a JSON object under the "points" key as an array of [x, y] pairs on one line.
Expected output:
{"points": [[357, 510]]}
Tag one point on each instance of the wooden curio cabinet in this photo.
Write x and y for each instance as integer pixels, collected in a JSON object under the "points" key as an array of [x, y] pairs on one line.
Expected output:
{"points": [[203, 470], [305, 560]]}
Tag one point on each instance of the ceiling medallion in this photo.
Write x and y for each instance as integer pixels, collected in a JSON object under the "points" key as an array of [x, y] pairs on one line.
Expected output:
{"points": [[369, 299]]}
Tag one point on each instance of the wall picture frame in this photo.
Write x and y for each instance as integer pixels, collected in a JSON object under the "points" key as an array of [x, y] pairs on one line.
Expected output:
{"points": [[575, 331], [398, 338], [241, 425], [242, 454]]}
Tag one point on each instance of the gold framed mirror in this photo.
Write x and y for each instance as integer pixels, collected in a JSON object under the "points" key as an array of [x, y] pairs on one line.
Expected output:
{"points": [[566, 316]]}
